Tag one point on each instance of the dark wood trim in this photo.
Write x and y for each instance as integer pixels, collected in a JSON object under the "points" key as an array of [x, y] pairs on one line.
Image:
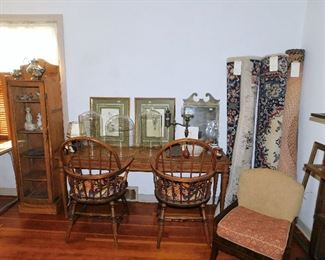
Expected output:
{"points": [[318, 115], [301, 239]]}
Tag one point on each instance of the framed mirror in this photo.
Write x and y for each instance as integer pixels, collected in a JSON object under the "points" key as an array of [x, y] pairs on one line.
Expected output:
{"points": [[205, 116]]}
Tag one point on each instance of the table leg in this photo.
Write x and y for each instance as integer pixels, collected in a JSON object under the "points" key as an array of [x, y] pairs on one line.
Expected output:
{"points": [[224, 184], [215, 185]]}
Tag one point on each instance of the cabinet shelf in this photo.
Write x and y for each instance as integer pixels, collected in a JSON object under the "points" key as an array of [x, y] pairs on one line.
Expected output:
{"points": [[36, 195], [34, 153], [35, 176], [23, 131], [33, 156], [28, 101]]}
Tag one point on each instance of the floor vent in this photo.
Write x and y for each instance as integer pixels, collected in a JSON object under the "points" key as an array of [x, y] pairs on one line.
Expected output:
{"points": [[132, 193]]}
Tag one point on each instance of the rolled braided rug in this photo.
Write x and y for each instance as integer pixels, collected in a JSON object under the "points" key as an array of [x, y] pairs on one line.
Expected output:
{"points": [[288, 147]]}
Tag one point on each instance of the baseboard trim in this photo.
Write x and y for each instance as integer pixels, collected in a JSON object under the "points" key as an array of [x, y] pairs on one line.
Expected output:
{"points": [[147, 198], [8, 191]]}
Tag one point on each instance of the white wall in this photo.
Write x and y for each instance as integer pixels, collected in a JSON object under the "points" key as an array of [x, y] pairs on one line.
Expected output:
{"points": [[312, 101], [7, 175], [156, 48]]}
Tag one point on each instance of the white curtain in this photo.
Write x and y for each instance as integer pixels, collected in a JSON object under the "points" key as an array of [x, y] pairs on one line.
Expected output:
{"points": [[21, 42]]}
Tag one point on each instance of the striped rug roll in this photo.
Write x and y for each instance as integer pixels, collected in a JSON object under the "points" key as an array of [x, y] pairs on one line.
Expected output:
{"points": [[242, 152], [273, 82], [233, 105], [288, 148]]}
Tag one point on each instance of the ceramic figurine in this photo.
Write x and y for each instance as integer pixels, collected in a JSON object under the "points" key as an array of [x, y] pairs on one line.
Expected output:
{"points": [[29, 126], [35, 70], [16, 74], [39, 121]]}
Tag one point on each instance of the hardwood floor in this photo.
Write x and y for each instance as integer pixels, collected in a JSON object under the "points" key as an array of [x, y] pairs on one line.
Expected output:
{"points": [[35, 236]]}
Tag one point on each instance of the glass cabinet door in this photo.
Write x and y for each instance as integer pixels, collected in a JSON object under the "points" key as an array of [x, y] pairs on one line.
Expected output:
{"points": [[28, 116]]}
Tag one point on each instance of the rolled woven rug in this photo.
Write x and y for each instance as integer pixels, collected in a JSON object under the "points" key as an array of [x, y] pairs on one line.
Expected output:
{"points": [[288, 147], [242, 151], [273, 82], [233, 105]]}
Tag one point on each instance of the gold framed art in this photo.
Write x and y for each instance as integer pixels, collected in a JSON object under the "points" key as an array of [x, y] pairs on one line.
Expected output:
{"points": [[150, 121], [109, 108]]}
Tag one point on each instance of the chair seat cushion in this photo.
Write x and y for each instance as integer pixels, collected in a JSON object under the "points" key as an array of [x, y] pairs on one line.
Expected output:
{"points": [[98, 189], [186, 193], [260, 233]]}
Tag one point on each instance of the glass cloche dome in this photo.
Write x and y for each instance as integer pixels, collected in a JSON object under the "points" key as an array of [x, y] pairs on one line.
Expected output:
{"points": [[89, 124], [119, 129]]}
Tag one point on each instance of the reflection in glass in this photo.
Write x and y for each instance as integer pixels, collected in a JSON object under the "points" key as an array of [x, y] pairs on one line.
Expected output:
{"points": [[212, 132], [152, 127]]}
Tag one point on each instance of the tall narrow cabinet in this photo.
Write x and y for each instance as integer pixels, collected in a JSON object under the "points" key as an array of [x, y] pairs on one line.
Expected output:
{"points": [[34, 143]]}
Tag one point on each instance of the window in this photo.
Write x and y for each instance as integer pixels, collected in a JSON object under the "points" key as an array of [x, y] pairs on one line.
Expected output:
{"points": [[24, 38], [4, 135]]}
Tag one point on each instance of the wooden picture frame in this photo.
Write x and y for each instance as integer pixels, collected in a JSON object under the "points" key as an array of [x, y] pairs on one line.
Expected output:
{"points": [[108, 107], [159, 105]]}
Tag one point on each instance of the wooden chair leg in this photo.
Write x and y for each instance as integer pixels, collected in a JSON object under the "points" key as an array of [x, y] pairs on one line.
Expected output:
{"points": [[114, 222], [161, 222], [158, 209], [205, 224], [214, 250], [73, 219]]}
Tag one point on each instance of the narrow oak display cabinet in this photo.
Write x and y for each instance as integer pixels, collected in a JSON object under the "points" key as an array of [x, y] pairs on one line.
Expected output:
{"points": [[34, 108]]}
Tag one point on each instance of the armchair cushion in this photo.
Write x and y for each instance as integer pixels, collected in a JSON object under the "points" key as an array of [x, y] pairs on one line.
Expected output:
{"points": [[257, 232], [270, 192]]}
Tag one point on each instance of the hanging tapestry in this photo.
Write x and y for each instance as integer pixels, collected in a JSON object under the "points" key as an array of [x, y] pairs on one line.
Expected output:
{"points": [[233, 105], [242, 152], [273, 81], [288, 148]]}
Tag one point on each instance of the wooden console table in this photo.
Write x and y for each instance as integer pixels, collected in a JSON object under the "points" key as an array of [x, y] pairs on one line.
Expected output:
{"points": [[141, 163]]}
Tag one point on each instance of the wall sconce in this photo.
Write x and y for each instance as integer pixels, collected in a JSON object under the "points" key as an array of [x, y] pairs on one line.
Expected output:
{"points": [[186, 117]]}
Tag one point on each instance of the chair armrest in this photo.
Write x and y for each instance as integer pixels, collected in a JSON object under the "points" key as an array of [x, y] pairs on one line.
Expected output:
{"points": [[127, 164], [209, 175], [125, 167]]}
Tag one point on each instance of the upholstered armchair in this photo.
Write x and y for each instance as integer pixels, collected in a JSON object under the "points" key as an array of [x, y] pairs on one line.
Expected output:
{"points": [[183, 170], [259, 225], [92, 174]]}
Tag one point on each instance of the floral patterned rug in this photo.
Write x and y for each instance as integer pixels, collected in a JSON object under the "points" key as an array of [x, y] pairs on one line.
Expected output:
{"points": [[233, 106], [246, 94], [270, 112]]}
